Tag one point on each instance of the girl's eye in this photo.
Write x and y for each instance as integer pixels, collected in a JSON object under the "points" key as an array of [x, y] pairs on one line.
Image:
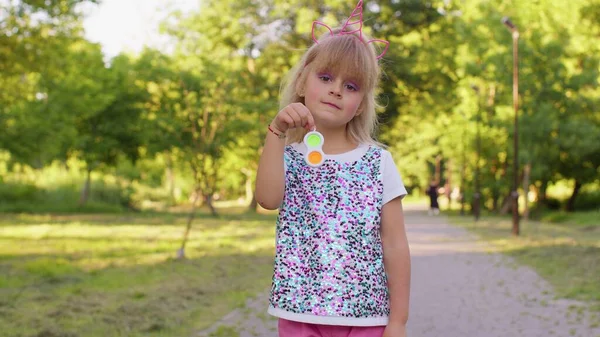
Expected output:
{"points": [[325, 77], [351, 87]]}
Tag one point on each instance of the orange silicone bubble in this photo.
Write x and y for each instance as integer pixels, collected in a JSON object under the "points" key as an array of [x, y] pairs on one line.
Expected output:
{"points": [[315, 157]]}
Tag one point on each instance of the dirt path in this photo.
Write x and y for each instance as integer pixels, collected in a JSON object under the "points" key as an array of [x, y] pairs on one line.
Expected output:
{"points": [[458, 290]]}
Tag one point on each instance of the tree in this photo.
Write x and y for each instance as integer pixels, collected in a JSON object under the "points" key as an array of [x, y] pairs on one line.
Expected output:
{"points": [[34, 37], [110, 126]]}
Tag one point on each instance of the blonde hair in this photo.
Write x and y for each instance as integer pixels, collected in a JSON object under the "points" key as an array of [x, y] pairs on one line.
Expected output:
{"points": [[346, 54]]}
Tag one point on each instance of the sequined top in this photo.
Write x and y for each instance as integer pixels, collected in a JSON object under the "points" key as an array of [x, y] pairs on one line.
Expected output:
{"points": [[329, 257]]}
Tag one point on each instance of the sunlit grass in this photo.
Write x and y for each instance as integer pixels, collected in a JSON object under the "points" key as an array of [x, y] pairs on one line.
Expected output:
{"points": [[567, 255], [116, 275], [589, 218]]}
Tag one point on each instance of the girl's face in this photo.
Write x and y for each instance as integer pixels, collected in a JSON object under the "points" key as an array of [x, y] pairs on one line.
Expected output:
{"points": [[332, 99]]}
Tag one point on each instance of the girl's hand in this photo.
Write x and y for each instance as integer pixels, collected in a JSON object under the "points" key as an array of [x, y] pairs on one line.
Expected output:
{"points": [[394, 330], [295, 115]]}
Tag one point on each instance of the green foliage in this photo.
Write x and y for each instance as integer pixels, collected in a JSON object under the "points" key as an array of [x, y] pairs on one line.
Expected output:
{"points": [[588, 201], [18, 198], [113, 128], [57, 188], [10, 192], [32, 102], [553, 204], [196, 118], [156, 128]]}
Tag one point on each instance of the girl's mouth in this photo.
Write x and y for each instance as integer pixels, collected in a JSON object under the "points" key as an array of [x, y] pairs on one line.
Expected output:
{"points": [[332, 105]]}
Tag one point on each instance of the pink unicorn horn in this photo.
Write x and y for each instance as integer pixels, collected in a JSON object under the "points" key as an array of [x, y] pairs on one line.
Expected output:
{"points": [[355, 19], [357, 16]]}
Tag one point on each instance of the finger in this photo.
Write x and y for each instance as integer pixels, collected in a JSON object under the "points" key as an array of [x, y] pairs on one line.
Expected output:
{"points": [[310, 121], [310, 124], [289, 122], [303, 112], [295, 117]]}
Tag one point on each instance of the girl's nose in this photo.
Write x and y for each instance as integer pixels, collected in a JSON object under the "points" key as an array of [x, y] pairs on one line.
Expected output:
{"points": [[335, 92]]}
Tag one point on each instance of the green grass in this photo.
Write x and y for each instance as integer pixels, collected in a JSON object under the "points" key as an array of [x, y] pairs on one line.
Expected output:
{"points": [[116, 275], [565, 254], [590, 218]]}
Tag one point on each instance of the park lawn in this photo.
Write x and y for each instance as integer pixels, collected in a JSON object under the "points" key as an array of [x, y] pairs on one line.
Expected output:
{"points": [[567, 254], [585, 219], [116, 275]]}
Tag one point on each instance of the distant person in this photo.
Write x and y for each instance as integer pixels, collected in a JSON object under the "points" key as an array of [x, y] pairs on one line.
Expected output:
{"points": [[432, 192], [342, 263]]}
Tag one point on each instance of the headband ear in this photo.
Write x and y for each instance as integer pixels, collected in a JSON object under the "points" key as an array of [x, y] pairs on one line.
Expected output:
{"points": [[315, 23], [386, 45]]}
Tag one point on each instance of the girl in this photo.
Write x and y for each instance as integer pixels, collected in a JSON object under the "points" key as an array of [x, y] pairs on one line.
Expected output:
{"points": [[342, 264]]}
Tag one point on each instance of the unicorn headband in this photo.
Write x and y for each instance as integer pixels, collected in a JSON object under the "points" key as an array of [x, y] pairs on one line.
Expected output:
{"points": [[357, 16]]}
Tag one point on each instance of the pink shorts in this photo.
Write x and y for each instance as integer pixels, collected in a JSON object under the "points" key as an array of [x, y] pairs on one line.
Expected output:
{"points": [[296, 329]]}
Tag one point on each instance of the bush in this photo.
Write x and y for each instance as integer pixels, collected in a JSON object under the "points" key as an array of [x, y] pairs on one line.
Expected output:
{"points": [[64, 198], [538, 210], [588, 201], [147, 193], [110, 194], [552, 204], [12, 192]]}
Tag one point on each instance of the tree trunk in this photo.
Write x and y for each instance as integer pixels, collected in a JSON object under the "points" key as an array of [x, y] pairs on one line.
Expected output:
{"points": [[170, 176], [462, 185], [85, 192], [526, 172], [571, 202], [448, 185], [495, 198], [253, 204], [506, 205], [438, 171], [181, 251], [209, 203], [542, 197], [250, 193], [536, 192]]}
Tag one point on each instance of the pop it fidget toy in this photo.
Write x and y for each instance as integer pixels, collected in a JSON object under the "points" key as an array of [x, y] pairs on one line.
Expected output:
{"points": [[314, 148]]}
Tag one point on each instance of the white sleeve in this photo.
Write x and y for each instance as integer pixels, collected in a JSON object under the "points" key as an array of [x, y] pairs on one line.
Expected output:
{"points": [[392, 181]]}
